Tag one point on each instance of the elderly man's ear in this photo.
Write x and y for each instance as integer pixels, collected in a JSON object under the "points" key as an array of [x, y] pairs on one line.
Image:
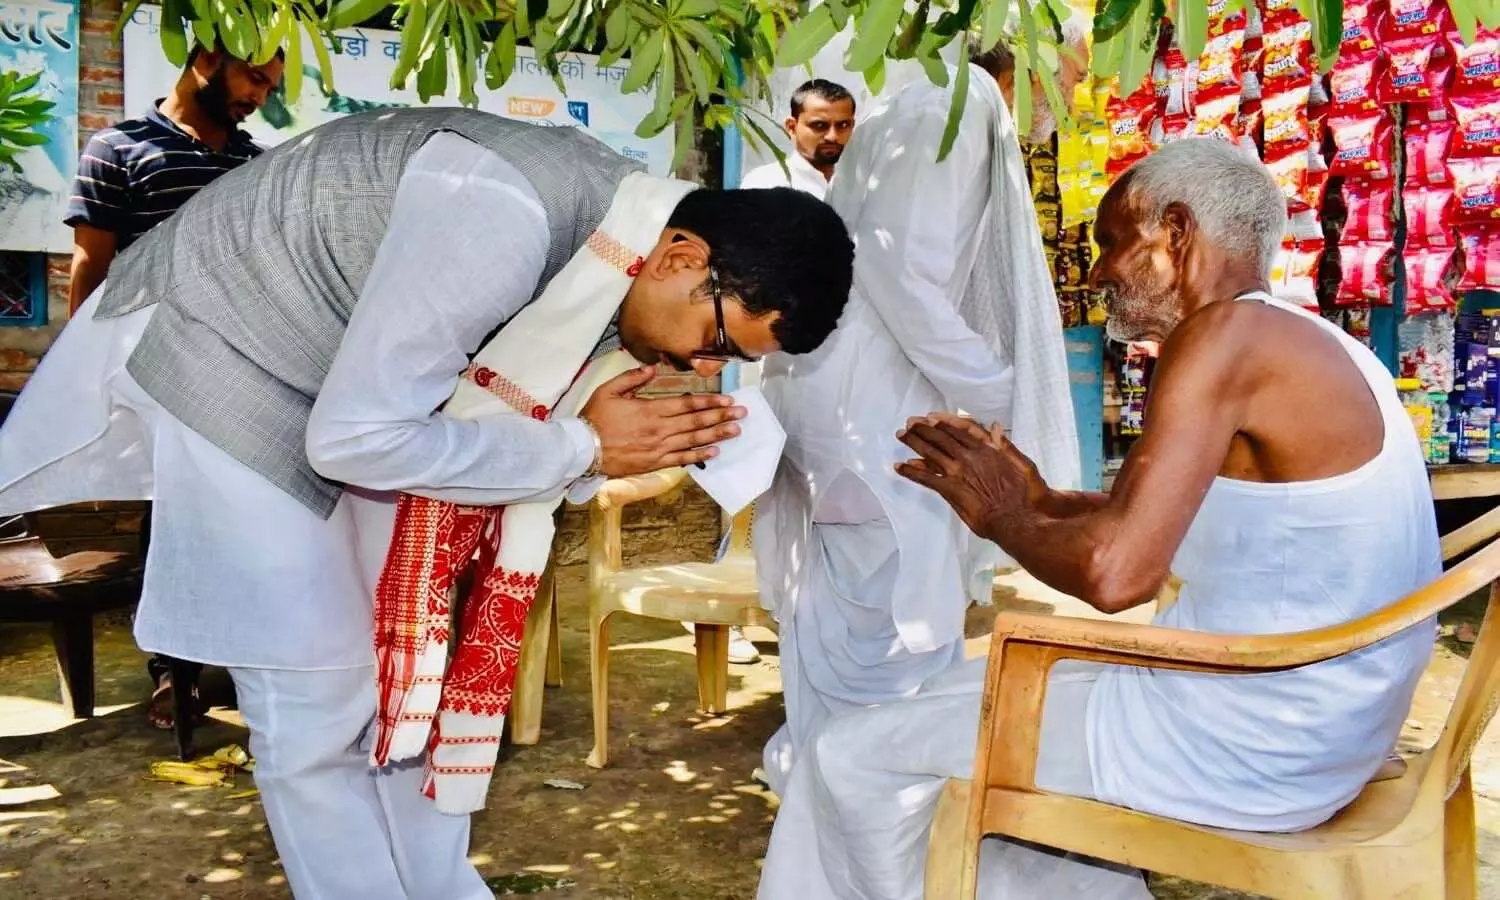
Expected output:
{"points": [[1178, 220]]}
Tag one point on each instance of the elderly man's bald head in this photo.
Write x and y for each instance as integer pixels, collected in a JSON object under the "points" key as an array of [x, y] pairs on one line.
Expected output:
{"points": [[1196, 219]]}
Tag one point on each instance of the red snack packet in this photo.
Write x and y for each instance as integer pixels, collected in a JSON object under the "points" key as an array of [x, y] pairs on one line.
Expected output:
{"points": [[1288, 169], [1220, 68], [1431, 274], [1476, 189], [1288, 52], [1417, 71], [1129, 129], [1369, 211], [1478, 125], [1476, 65], [1285, 116], [1170, 76], [1277, 10], [1429, 216], [1413, 18], [1481, 258], [1363, 145], [1359, 26], [1367, 272], [1300, 282], [1427, 152], [1218, 118]]}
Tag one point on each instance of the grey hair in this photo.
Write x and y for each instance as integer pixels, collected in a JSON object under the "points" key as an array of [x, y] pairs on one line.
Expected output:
{"points": [[1232, 196], [1001, 58]]}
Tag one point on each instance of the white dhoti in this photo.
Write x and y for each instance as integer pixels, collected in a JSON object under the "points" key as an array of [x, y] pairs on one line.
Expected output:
{"points": [[842, 649], [855, 816]]}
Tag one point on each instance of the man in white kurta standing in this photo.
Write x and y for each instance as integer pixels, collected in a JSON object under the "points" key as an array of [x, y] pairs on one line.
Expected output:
{"points": [[820, 125], [952, 308], [266, 366]]}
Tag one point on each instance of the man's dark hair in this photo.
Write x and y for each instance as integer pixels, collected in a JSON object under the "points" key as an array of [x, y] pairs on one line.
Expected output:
{"points": [[776, 250], [831, 92], [219, 49], [998, 60]]}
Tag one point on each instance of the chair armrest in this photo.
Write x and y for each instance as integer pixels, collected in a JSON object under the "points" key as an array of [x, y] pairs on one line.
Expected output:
{"points": [[1480, 531], [1025, 646], [618, 493]]}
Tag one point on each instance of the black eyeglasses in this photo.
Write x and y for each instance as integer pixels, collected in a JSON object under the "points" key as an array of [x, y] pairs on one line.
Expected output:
{"points": [[722, 350]]}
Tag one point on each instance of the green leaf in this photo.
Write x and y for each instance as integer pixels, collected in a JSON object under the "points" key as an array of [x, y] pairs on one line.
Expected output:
{"points": [[1192, 28], [1106, 55], [956, 105], [502, 58], [1489, 14], [238, 32], [1023, 97], [705, 39], [291, 78], [432, 80], [126, 15], [25, 83], [992, 23], [806, 37], [466, 46], [522, 18], [682, 142], [25, 138], [173, 35], [911, 36], [1136, 62], [616, 28], [204, 33], [272, 37], [1061, 107], [697, 73], [1115, 15], [666, 86], [643, 62], [876, 28], [1465, 19], [320, 50], [348, 13], [694, 9], [936, 70], [413, 30], [875, 76]]}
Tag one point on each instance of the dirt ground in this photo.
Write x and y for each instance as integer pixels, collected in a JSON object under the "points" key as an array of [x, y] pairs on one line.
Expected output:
{"points": [[675, 816]]}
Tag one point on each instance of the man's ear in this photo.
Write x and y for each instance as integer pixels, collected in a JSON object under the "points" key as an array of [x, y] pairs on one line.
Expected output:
{"points": [[1180, 225], [791, 125], [682, 250]]}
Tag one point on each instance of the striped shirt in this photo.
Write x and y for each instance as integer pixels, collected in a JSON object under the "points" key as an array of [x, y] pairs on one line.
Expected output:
{"points": [[132, 176]]}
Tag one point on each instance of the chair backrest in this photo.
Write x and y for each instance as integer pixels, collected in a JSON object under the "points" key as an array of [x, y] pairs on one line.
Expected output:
{"points": [[1474, 703]]}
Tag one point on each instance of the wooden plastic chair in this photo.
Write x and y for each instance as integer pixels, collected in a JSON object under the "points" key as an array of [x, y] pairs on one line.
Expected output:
{"points": [[540, 665], [1408, 836], [713, 596]]}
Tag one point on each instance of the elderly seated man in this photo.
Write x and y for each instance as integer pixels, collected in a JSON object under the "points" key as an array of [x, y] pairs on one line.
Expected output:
{"points": [[1278, 478]]}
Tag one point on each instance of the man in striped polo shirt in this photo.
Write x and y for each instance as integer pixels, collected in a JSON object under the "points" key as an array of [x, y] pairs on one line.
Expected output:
{"points": [[135, 174]]}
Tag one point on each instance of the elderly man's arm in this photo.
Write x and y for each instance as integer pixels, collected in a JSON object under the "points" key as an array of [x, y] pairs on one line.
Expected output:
{"points": [[1115, 555], [910, 235]]}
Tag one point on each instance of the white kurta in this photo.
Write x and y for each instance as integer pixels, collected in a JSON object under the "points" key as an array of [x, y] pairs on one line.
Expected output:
{"points": [[1272, 752], [239, 573], [865, 571], [803, 176]]}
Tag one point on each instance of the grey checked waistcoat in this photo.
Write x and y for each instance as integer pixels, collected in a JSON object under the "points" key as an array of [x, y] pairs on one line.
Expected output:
{"points": [[256, 276]]}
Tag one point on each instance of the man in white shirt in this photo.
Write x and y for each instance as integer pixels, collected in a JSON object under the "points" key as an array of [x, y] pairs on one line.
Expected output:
{"points": [[821, 123], [343, 281], [952, 308]]}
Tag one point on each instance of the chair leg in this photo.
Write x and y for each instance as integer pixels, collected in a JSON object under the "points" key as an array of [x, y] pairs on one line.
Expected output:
{"points": [[531, 674], [1460, 867], [599, 676], [73, 643], [554, 645], [952, 859], [184, 709], [712, 644]]}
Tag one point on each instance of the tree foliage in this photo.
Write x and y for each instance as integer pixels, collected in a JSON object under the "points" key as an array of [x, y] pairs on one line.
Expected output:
{"points": [[710, 59]]}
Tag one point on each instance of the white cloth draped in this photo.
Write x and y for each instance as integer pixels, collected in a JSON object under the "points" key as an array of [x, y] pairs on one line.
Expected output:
{"points": [[952, 308], [799, 174]]}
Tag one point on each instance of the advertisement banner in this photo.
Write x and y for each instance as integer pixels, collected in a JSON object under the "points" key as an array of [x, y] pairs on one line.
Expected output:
{"points": [[42, 36], [361, 81]]}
